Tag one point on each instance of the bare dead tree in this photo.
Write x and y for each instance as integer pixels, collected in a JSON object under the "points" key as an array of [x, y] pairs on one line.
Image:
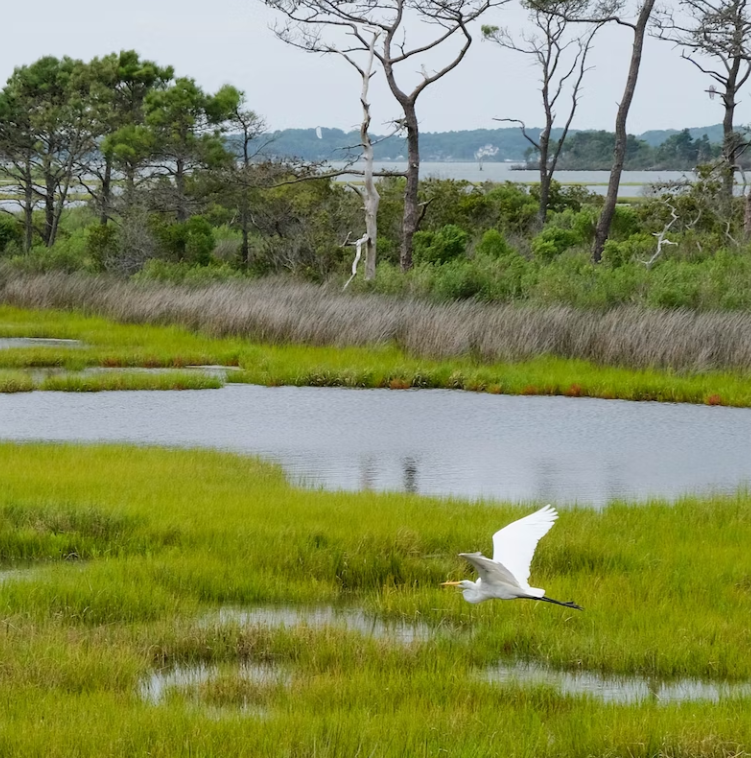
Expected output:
{"points": [[242, 176], [348, 22], [716, 38], [561, 57], [662, 239], [369, 192], [603, 12]]}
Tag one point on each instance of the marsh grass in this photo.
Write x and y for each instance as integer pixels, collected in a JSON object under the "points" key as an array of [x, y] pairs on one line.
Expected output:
{"points": [[130, 380], [280, 312], [171, 349], [15, 381], [168, 537]]}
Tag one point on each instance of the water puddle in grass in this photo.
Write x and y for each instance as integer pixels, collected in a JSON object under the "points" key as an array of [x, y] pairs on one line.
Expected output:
{"points": [[222, 372], [10, 342], [16, 574], [187, 679], [350, 619], [617, 689]]}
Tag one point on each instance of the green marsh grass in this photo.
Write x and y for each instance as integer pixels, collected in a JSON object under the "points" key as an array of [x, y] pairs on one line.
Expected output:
{"points": [[112, 345], [272, 311], [131, 551], [130, 380]]}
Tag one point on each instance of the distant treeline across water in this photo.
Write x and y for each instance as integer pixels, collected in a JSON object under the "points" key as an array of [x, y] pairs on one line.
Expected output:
{"points": [[583, 150]]}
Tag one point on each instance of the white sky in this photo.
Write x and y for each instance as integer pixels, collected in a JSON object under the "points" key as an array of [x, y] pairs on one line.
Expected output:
{"points": [[229, 41]]}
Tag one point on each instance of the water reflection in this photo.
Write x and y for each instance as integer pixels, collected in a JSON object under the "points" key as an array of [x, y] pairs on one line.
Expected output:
{"points": [[16, 574], [319, 617], [189, 677], [435, 442], [7, 343], [410, 474], [617, 689]]}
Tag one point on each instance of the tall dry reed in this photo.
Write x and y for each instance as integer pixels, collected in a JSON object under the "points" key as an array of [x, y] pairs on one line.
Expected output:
{"points": [[280, 311]]}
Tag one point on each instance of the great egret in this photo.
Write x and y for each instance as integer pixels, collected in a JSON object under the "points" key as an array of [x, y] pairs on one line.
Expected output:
{"points": [[514, 545]]}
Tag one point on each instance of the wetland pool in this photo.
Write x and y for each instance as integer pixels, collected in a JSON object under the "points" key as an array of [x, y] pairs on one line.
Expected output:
{"points": [[432, 442]]}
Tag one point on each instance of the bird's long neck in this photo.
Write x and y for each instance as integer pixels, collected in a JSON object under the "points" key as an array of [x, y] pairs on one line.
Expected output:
{"points": [[472, 594]]}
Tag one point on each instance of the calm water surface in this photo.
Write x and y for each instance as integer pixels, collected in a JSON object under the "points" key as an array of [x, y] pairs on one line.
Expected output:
{"points": [[438, 442], [632, 182]]}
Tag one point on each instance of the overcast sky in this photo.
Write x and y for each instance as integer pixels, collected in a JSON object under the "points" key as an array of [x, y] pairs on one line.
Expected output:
{"points": [[229, 41]]}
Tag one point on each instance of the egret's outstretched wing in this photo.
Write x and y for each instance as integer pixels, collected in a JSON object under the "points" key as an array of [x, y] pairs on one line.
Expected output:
{"points": [[491, 572], [515, 544]]}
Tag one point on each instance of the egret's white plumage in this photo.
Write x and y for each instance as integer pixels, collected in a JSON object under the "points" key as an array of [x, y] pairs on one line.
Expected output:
{"points": [[506, 576]]}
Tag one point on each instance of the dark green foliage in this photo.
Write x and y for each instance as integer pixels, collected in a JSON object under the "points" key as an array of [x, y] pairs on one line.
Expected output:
{"points": [[637, 247], [561, 198], [552, 241], [185, 273], [625, 222], [191, 241], [11, 232], [682, 151], [461, 203], [446, 244], [101, 244], [676, 153], [494, 245], [516, 208]]}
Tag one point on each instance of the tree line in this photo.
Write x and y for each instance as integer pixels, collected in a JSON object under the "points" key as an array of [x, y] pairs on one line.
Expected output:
{"points": [[151, 153], [713, 35], [593, 151], [584, 150], [144, 147]]}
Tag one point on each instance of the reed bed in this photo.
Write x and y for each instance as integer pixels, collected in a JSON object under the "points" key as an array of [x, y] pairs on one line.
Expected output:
{"points": [[124, 555], [112, 356], [280, 311]]}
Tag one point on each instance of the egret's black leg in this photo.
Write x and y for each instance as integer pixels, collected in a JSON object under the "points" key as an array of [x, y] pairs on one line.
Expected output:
{"points": [[570, 604]]}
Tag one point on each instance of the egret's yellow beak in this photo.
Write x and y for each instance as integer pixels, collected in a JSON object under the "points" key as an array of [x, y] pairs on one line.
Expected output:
{"points": [[450, 584]]}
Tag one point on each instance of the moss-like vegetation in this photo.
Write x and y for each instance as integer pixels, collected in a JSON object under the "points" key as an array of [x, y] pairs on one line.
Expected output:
{"points": [[116, 560]]}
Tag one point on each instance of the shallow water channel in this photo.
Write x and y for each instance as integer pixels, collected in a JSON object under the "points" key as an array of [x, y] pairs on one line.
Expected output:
{"points": [[614, 689], [189, 678], [436, 442]]}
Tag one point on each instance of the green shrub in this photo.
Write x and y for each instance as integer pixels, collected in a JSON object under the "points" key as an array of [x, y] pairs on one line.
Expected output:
{"points": [[63, 256], [582, 222], [516, 208], [675, 284], [387, 250], [638, 247], [494, 245], [446, 244], [552, 241], [184, 273], [625, 222], [101, 244], [572, 198], [190, 241], [459, 280], [11, 232]]}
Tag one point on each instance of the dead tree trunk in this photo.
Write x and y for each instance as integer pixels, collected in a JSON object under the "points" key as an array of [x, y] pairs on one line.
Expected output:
{"points": [[411, 217], [729, 137], [716, 38], [28, 207], [104, 211], [602, 230], [559, 69], [447, 21], [371, 198]]}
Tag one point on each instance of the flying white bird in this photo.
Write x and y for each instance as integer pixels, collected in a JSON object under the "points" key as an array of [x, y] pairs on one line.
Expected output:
{"points": [[509, 580]]}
